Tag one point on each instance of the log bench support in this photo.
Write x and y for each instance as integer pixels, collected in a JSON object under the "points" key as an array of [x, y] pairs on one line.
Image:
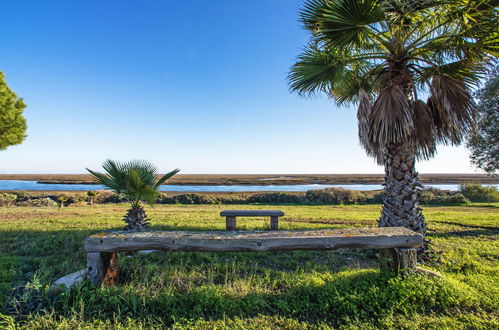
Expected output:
{"points": [[397, 245], [231, 215], [401, 260], [102, 267]]}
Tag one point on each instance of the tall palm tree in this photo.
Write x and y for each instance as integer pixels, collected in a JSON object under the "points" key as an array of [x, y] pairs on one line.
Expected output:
{"points": [[134, 181], [388, 57]]}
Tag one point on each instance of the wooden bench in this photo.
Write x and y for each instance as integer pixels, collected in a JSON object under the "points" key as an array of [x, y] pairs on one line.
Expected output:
{"points": [[230, 217], [397, 245]]}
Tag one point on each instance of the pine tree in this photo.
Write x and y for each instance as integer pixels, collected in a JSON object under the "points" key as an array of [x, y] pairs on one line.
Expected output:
{"points": [[12, 123]]}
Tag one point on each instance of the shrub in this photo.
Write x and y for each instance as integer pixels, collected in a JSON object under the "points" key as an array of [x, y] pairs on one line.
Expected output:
{"points": [[108, 197], [38, 202], [479, 193], [334, 196], [187, 199], [232, 199], [283, 198], [435, 196], [375, 199], [7, 199]]}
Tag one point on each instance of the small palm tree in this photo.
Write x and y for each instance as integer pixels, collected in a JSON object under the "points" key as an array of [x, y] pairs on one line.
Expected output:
{"points": [[91, 195], [388, 56], [134, 181], [61, 199]]}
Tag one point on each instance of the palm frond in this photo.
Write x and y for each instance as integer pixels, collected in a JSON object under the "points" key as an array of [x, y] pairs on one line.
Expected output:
{"points": [[315, 71], [391, 119], [452, 109], [344, 23], [134, 180], [166, 177]]}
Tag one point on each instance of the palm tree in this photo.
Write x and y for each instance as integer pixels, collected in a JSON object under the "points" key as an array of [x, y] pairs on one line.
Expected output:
{"points": [[134, 181], [386, 57], [91, 195]]}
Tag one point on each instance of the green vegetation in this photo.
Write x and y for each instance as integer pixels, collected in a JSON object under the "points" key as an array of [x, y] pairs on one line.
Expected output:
{"points": [[12, 123], [135, 181], [330, 196], [484, 140], [478, 193], [91, 196], [294, 290], [384, 56]]}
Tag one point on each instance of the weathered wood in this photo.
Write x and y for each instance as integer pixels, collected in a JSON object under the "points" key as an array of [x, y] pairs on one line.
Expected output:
{"points": [[67, 282], [398, 259], [274, 223], [111, 268], [94, 267], [102, 267], [252, 213], [327, 239], [230, 223], [230, 220]]}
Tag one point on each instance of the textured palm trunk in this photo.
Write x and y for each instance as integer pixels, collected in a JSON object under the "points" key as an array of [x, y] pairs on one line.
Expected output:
{"points": [[136, 219], [401, 200]]}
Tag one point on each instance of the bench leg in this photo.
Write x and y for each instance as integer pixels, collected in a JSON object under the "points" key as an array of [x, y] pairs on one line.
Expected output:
{"points": [[103, 267], [401, 260], [274, 223], [230, 223]]}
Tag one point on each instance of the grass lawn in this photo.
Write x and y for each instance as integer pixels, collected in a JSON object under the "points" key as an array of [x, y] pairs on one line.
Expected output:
{"points": [[297, 289]]}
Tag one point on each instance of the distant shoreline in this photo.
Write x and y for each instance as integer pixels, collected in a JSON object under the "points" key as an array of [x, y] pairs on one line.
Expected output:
{"points": [[264, 179]]}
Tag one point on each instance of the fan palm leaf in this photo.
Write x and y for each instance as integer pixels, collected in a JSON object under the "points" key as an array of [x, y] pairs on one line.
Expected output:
{"points": [[136, 182]]}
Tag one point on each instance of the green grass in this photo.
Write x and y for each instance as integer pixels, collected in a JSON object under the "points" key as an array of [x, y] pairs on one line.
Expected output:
{"points": [[294, 290]]}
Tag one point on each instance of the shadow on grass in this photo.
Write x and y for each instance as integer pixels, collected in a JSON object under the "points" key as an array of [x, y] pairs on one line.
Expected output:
{"points": [[469, 226], [486, 231], [171, 286]]}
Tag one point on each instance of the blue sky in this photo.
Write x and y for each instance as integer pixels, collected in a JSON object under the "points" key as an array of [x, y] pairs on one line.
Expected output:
{"points": [[199, 85]]}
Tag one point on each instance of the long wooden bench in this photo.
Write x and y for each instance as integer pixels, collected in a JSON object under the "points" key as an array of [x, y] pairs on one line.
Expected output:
{"points": [[397, 245], [231, 215]]}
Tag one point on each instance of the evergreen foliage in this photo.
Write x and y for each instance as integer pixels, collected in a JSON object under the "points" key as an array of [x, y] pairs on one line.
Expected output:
{"points": [[484, 140], [12, 123]]}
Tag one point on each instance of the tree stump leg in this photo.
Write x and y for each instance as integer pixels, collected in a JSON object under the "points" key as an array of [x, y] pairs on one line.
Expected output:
{"points": [[103, 267], [400, 260], [230, 223], [274, 223]]}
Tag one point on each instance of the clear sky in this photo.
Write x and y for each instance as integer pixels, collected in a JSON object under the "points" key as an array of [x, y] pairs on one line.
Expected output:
{"points": [[195, 84]]}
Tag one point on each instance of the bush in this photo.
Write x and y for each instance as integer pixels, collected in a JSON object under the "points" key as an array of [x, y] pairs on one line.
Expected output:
{"points": [[232, 199], [281, 198], [450, 199], [108, 197], [38, 202], [375, 199], [479, 193], [334, 196], [7, 199], [187, 199]]}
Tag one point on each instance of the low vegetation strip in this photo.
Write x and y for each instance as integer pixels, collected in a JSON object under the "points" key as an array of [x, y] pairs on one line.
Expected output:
{"points": [[293, 289], [330, 196]]}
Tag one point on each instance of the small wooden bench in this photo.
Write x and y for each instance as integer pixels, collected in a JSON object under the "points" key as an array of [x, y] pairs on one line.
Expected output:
{"points": [[230, 217], [397, 245]]}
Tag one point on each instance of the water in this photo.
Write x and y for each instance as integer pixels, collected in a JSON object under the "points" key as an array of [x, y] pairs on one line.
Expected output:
{"points": [[33, 185]]}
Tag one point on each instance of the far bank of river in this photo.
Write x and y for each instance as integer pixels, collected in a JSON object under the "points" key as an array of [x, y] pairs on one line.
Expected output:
{"points": [[34, 185]]}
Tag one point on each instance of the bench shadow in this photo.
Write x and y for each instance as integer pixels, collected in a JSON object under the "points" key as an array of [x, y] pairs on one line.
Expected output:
{"points": [[465, 233], [53, 254]]}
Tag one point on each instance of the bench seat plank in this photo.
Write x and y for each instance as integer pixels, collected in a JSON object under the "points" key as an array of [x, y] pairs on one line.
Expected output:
{"points": [[252, 213], [220, 241]]}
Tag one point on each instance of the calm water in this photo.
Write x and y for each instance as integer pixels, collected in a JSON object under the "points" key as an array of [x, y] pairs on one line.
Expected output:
{"points": [[33, 185]]}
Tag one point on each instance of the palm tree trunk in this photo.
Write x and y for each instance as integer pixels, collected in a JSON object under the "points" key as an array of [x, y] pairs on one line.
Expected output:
{"points": [[136, 218], [401, 199]]}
